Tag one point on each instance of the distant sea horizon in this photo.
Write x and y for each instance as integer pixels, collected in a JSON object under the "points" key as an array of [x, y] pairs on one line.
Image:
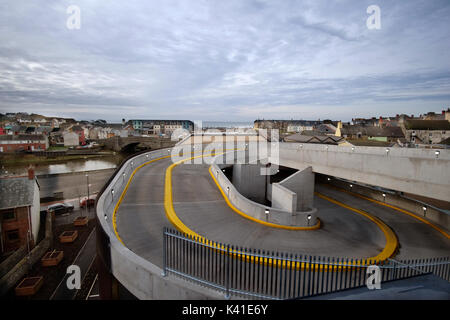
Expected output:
{"points": [[227, 124]]}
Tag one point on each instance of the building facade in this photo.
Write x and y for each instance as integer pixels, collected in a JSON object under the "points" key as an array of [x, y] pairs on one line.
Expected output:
{"points": [[427, 131], [158, 127], [19, 212], [23, 142], [71, 139]]}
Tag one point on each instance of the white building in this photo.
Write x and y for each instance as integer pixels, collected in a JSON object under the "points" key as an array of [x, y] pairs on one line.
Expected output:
{"points": [[71, 139]]}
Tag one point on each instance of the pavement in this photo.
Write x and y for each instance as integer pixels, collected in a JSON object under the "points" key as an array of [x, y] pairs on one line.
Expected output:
{"points": [[199, 204]]}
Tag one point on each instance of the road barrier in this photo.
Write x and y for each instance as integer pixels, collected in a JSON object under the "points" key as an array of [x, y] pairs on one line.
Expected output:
{"points": [[261, 274]]}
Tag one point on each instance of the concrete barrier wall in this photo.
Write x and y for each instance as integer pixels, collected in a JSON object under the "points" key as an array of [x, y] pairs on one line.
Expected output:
{"points": [[248, 180], [369, 165], [12, 260], [302, 184], [283, 198], [416, 171], [139, 276], [257, 210]]}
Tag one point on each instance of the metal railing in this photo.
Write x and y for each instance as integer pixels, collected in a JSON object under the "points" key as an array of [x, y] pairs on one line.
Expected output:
{"points": [[262, 274]]}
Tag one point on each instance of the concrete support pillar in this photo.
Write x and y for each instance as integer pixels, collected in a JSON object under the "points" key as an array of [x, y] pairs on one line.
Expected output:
{"points": [[249, 182]]}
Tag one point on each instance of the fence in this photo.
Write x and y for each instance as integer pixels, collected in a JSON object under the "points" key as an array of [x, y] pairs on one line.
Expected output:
{"points": [[255, 273]]}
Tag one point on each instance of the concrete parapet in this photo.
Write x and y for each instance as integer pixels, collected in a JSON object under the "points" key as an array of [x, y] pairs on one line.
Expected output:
{"points": [[302, 184], [139, 276], [278, 216], [248, 180], [12, 260], [438, 217], [418, 171]]}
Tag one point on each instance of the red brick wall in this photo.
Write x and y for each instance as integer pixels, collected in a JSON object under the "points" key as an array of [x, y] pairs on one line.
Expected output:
{"points": [[20, 223], [23, 146]]}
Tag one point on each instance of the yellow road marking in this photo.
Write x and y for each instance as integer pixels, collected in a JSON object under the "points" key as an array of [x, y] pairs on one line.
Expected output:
{"points": [[114, 216], [268, 224], [397, 209], [173, 218], [391, 239]]}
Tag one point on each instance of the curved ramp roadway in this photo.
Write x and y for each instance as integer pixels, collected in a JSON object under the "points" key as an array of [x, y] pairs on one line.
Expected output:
{"points": [[199, 204], [417, 240]]}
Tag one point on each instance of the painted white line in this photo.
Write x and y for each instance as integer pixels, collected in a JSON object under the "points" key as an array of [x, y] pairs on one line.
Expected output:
{"points": [[90, 290], [53, 294]]}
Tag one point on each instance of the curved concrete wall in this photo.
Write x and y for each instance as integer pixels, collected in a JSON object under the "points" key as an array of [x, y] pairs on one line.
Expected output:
{"points": [[410, 170], [142, 278], [257, 210], [416, 171]]}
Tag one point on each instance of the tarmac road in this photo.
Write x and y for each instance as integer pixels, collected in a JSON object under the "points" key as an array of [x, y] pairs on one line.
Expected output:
{"points": [[199, 204]]}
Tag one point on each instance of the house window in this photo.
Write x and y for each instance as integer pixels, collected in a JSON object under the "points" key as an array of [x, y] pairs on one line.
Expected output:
{"points": [[12, 235], [431, 134], [8, 214]]}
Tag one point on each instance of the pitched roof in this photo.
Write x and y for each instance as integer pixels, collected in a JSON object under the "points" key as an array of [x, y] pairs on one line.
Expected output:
{"points": [[371, 131], [19, 137], [427, 125], [445, 141], [370, 143], [16, 192], [298, 137]]}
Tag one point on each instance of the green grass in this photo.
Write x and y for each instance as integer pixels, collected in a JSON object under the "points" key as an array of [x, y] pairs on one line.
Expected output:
{"points": [[55, 148]]}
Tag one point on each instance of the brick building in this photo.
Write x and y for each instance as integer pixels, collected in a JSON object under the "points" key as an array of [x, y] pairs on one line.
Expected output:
{"points": [[23, 142], [19, 212]]}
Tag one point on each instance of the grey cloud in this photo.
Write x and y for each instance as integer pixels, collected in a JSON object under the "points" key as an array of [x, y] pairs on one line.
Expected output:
{"points": [[223, 59]]}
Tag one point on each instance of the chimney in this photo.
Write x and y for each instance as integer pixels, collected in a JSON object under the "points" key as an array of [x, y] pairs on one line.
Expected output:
{"points": [[31, 173], [443, 112]]}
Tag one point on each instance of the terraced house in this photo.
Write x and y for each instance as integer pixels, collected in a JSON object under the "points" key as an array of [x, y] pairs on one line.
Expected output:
{"points": [[23, 142], [427, 131], [19, 212], [156, 127]]}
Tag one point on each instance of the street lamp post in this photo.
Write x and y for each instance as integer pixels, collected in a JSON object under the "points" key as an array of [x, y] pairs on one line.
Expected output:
{"points": [[87, 201], [309, 219]]}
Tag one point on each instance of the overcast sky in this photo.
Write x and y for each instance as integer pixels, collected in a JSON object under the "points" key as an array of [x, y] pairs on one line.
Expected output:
{"points": [[224, 60]]}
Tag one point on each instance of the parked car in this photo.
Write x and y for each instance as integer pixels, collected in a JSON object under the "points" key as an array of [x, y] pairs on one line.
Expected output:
{"points": [[60, 208], [90, 203]]}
